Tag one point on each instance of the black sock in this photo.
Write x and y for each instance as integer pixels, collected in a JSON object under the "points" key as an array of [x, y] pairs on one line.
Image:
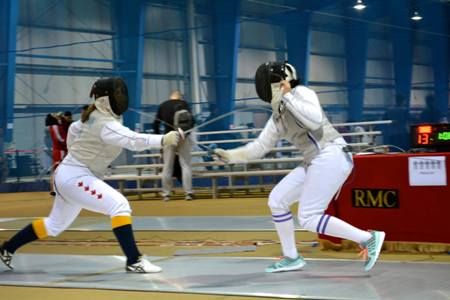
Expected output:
{"points": [[25, 236], [125, 236]]}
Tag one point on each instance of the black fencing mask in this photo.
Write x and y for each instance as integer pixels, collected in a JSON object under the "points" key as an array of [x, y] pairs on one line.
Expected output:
{"points": [[116, 90], [273, 72]]}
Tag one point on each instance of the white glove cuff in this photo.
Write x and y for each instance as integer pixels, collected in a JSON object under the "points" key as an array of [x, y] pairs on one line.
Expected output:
{"points": [[238, 155]]}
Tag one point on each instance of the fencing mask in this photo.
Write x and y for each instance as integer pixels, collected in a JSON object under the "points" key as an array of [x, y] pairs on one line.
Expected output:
{"points": [[116, 90], [273, 72]]}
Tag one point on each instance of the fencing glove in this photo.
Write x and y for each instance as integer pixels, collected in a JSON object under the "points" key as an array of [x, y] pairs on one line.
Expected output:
{"points": [[171, 138], [231, 156]]}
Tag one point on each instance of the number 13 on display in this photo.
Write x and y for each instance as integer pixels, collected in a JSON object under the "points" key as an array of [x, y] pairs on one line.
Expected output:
{"points": [[423, 138]]}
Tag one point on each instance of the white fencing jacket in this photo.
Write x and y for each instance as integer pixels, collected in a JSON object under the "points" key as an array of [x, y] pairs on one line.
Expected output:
{"points": [[99, 141], [301, 121]]}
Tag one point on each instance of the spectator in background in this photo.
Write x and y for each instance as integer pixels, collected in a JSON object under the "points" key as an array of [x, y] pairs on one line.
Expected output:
{"points": [[397, 133], [49, 120], [58, 138], [83, 108], [169, 113], [66, 120], [431, 114]]}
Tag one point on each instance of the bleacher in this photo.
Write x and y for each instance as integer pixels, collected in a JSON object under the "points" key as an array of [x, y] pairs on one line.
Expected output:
{"points": [[258, 174]]}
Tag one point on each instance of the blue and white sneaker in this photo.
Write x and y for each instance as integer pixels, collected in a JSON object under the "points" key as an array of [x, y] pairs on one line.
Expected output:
{"points": [[372, 248], [286, 264]]}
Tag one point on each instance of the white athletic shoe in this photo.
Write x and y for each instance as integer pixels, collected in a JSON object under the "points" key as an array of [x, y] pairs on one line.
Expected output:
{"points": [[286, 264], [6, 257], [372, 248], [143, 266]]}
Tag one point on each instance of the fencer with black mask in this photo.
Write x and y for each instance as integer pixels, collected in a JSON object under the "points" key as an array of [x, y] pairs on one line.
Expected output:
{"points": [[298, 117], [94, 142]]}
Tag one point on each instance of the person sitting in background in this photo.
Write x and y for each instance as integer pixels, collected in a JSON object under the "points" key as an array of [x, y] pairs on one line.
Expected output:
{"points": [[168, 114]]}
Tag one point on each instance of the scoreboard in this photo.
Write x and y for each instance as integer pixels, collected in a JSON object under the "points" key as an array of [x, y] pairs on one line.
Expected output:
{"points": [[431, 136]]}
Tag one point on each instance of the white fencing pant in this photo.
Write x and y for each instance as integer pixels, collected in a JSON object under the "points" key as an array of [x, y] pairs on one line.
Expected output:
{"points": [[314, 188], [183, 150], [78, 188]]}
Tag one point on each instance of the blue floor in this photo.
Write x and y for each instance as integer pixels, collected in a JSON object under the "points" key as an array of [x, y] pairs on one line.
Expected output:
{"points": [[217, 223]]}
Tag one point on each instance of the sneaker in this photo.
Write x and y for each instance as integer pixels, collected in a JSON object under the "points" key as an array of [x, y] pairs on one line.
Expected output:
{"points": [[286, 264], [372, 249], [189, 197], [166, 198], [6, 257], [142, 266]]}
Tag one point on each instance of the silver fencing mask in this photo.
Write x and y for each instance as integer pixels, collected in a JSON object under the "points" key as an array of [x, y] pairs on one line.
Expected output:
{"points": [[116, 90], [273, 72]]}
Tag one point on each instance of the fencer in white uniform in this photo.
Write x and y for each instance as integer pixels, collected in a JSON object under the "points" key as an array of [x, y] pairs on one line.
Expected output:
{"points": [[298, 117], [94, 142]]}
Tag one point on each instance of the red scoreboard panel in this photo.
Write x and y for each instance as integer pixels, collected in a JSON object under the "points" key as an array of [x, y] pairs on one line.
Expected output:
{"points": [[431, 136]]}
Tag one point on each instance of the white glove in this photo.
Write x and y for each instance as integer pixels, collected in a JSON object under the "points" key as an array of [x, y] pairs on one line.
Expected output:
{"points": [[227, 156], [221, 155], [171, 138]]}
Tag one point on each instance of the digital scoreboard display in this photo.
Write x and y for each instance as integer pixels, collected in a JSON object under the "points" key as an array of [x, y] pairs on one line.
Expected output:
{"points": [[431, 136]]}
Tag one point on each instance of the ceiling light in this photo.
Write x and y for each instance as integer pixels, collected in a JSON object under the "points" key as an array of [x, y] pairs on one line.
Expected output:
{"points": [[359, 5], [416, 16]]}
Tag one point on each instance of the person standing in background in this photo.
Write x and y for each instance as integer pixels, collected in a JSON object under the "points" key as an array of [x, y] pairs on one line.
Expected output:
{"points": [[83, 108], [431, 114], [59, 146], [66, 120], [174, 113], [48, 142]]}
